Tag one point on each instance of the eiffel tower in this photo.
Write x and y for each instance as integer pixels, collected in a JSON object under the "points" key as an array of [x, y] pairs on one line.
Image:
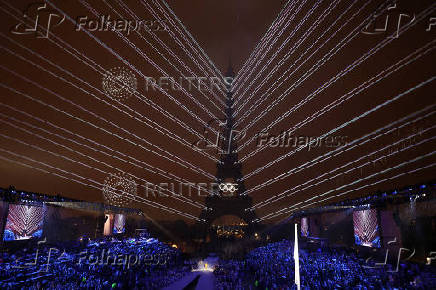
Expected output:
{"points": [[229, 171]]}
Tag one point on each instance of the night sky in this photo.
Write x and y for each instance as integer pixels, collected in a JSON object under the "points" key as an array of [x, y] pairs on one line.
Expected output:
{"points": [[315, 73]]}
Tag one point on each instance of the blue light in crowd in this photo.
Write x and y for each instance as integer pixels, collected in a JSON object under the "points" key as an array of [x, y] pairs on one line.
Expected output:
{"points": [[423, 186]]}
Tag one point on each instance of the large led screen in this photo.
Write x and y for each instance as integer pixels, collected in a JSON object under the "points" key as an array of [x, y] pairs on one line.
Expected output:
{"points": [[3, 209], [366, 228], [24, 222], [304, 227], [108, 224], [119, 224]]}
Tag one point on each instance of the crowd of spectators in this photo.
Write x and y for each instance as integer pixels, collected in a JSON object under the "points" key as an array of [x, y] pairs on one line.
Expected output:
{"points": [[150, 264], [102, 264], [231, 274], [272, 267]]}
